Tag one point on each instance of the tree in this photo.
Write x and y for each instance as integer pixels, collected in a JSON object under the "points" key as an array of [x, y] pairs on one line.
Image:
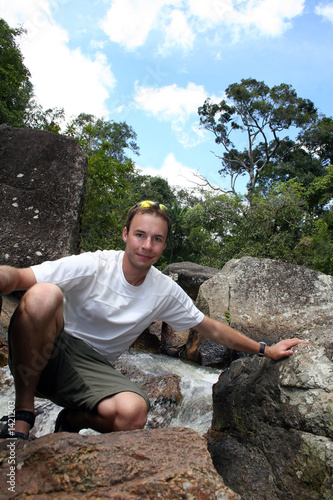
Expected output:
{"points": [[49, 120], [292, 161], [109, 180], [93, 133], [318, 139], [15, 85], [262, 114], [146, 187], [105, 202], [320, 192]]}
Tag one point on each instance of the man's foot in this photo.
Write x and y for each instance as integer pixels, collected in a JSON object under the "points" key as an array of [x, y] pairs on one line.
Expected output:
{"points": [[8, 430], [62, 424]]}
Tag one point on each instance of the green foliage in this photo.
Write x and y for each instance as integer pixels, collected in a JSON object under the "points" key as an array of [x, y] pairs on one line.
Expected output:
{"points": [[110, 174], [49, 120], [95, 133], [273, 225], [105, 203], [292, 161], [145, 187], [320, 191], [318, 139], [15, 85], [315, 250]]}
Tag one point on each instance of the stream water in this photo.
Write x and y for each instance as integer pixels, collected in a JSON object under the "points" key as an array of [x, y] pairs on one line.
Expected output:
{"points": [[195, 410]]}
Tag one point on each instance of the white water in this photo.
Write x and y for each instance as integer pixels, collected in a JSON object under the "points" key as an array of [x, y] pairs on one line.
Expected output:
{"points": [[195, 410]]}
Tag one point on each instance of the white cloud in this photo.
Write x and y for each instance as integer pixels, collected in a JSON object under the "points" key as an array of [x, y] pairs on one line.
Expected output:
{"points": [[177, 174], [62, 77], [128, 22], [177, 23], [178, 105], [178, 32], [325, 11], [272, 17]]}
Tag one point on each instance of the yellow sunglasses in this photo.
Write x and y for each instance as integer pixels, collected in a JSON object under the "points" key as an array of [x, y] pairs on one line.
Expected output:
{"points": [[149, 203]]}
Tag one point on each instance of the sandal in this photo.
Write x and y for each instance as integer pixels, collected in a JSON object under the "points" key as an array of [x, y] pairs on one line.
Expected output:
{"points": [[63, 423], [26, 416]]}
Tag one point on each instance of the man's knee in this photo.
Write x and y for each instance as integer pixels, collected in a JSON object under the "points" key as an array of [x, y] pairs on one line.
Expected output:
{"points": [[42, 303], [127, 411]]}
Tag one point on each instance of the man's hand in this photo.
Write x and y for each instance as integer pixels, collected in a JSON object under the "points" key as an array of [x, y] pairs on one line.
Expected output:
{"points": [[283, 348]]}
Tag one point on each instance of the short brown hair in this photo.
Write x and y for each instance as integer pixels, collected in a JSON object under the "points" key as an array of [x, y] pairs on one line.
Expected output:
{"points": [[149, 207]]}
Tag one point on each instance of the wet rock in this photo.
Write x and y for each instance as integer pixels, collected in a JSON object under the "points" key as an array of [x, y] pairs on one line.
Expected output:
{"points": [[173, 343]]}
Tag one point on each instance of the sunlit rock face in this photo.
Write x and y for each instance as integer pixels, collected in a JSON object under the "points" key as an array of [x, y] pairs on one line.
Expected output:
{"points": [[271, 433]]}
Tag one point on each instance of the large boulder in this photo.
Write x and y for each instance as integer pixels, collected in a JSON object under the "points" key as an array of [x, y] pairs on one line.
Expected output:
{"points": [[148, 464], [42, 182], [267, 299], [272, 428], [271, 434]]}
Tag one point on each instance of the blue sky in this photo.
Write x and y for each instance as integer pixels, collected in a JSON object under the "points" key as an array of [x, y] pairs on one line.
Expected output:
{"points": [[152, 63]]}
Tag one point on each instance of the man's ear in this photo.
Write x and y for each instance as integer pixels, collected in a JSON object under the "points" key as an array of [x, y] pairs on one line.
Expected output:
{"points": [[125, 234]]}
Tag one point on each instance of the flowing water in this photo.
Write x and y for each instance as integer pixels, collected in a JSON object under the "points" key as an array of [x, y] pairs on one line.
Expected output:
{"points": [[195, 410]]}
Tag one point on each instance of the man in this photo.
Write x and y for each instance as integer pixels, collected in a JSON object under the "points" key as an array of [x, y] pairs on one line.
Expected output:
{"points": [[81, 312]]}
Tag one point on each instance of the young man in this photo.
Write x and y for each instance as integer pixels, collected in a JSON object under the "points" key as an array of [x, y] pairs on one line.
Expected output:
{"points": [[81, 312]]}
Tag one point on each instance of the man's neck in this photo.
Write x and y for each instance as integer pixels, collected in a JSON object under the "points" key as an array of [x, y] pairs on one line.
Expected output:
{"points": [[134, 277]]}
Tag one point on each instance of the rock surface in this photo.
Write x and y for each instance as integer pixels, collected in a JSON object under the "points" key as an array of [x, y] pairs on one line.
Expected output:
{"points": [[272, 428], [42, 182], [163, 463], [267, 299], [189, 276]]}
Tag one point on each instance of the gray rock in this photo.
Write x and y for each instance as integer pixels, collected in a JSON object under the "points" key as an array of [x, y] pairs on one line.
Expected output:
{"points": [[42, 182], [272, 427], [189, 276], [267, 299], [272, 431]]}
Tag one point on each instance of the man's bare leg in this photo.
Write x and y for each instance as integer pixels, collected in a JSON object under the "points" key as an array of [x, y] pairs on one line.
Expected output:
{"points": [[122, 412], [37, 322]]}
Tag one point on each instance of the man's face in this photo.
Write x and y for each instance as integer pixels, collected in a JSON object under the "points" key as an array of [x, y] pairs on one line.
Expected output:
{"points": [[145, 240]]}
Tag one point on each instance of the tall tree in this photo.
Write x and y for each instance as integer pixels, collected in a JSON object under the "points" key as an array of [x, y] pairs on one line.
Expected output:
{"points": [[263, 115], [15, 85]]}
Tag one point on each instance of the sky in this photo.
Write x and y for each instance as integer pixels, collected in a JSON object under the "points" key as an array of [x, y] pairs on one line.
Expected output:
{"points": [[152, 63]]}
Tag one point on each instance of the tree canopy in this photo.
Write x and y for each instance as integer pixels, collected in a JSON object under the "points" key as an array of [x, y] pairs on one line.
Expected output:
{"points": [[15, 85], [263, 115]]}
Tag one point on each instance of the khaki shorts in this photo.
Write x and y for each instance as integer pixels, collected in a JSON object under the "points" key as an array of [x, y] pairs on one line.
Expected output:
{"points": [[78, 376]]}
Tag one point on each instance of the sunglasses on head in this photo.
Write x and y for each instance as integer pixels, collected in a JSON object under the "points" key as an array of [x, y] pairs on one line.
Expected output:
{"points": [[149, 203]]}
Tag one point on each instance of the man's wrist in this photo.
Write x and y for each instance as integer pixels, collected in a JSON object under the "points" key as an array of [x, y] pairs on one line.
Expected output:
{"points": [[262, 349]]}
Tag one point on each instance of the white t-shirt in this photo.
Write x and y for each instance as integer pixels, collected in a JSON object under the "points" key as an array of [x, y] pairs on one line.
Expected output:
{"points": [[104, 310]]}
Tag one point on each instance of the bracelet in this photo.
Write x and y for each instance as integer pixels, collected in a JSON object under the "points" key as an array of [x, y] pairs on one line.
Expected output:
{"points": [[262, 348]]}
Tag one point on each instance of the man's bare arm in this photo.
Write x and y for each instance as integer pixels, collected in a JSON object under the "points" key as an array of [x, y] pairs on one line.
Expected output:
{"points": [[12, 278], [227, 336]]}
